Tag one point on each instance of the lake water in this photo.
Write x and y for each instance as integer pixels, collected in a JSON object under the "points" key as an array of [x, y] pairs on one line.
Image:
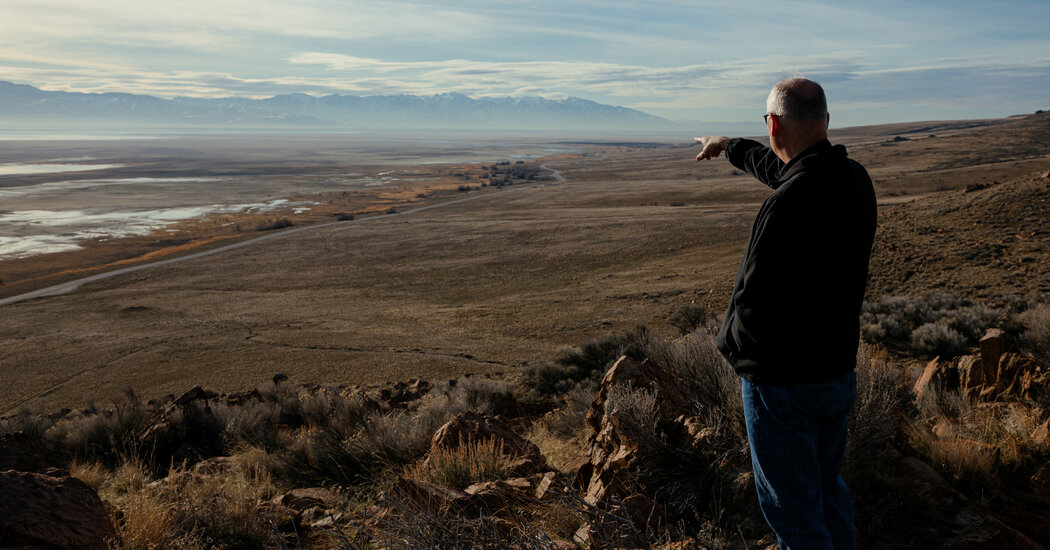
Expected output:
{"points": [[14, 169]]}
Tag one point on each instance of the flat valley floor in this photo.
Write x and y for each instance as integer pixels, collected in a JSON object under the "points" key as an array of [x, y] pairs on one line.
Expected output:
{"points": [[506, 279]]}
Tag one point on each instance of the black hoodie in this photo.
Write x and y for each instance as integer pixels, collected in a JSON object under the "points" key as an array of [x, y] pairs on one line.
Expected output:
{"points": [[794, 315]]}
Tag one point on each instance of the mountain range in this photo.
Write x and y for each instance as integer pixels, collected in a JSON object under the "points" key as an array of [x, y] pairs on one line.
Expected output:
{"points": [[27, 105]]}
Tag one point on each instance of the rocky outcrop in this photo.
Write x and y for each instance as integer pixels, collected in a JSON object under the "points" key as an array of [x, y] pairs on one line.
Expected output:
{"points": [[999, 373], [52, 511], [617, 450]]}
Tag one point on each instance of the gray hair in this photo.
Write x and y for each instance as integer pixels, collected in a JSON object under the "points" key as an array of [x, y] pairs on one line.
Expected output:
{"points": [[798, 99]]}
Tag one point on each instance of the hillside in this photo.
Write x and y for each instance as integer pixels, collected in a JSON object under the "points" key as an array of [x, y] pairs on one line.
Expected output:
{"points": [[986, 241]]}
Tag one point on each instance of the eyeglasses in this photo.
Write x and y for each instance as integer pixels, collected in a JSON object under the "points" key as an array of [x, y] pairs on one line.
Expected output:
{"points": [[765, 117]]}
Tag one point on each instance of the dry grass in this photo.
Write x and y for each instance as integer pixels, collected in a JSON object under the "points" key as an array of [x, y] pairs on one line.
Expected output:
{"points": [[970, 441], [880, 414], [561, 434], [463, 465], [188, 510], [94, 474]]}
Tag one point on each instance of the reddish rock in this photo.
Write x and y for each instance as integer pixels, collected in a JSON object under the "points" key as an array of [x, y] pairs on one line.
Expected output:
{"points": [[19, 451], [927, 483], [57, 513], [517, 486], [196, 393], [972, 373], [614, 451], [994, 344], [927, 377], [1016, 374], [524, 456]]}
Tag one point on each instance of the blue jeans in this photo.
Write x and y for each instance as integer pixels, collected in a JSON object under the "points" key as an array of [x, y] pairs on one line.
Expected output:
{"points": [[798, 441]]}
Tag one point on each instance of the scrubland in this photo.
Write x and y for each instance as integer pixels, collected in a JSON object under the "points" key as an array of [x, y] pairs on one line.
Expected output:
{"points": [[508, 315]]}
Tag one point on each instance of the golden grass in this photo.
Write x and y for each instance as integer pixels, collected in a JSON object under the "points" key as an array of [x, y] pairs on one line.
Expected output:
{"points": [[186, 509], [94, 474], [559, 451], [462, 465]]}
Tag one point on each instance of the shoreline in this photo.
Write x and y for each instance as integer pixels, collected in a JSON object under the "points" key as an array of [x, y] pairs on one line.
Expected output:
{"points": [[430, 186]]}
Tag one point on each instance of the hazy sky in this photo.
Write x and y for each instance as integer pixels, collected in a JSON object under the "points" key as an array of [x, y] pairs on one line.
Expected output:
{"points": [[880, 61]]}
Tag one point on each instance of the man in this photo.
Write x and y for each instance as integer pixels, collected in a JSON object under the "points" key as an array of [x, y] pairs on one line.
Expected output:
{"points": [[792, 328]]}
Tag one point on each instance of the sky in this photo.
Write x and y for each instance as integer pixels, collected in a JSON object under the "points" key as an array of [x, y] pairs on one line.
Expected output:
{"points": [[698, 60]]}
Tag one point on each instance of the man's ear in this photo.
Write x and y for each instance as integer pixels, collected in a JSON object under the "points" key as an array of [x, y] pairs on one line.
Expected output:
{"points": [[774, 126]]}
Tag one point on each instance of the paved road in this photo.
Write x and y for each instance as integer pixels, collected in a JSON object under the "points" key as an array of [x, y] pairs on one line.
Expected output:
{"points": [[73, 285]]}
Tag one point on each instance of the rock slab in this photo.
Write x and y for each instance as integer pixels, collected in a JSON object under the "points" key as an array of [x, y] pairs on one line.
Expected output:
{"points": [[55, 512]]}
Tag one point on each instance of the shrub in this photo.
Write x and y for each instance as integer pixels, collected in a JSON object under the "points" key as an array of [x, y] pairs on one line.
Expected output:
{"points": [[688, 317], [894, 320], [278, 223], [1035, 340], [716, 386], [483, 394], [109, 436], [880, 414], [463, 465], [634, 412], [936, 339], [590, 361]]}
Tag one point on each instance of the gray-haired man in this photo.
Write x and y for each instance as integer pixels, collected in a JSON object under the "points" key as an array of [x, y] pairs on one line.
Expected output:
{"points": [[792, 327]]}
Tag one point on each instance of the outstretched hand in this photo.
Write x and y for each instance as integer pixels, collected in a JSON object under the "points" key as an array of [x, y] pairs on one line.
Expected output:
{"points": [[712, 146]]}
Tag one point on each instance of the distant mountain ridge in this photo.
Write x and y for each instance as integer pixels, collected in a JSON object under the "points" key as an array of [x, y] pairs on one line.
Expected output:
{"points": [[26, 104]]}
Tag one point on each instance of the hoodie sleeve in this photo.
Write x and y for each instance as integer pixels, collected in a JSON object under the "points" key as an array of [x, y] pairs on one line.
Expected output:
{"points": [[755, 159]]}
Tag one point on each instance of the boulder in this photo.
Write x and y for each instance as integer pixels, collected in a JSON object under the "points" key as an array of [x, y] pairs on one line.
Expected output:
{"points": [[524, 456], [19, 451], [994, 344], [58, 513], [1041, 433]]}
